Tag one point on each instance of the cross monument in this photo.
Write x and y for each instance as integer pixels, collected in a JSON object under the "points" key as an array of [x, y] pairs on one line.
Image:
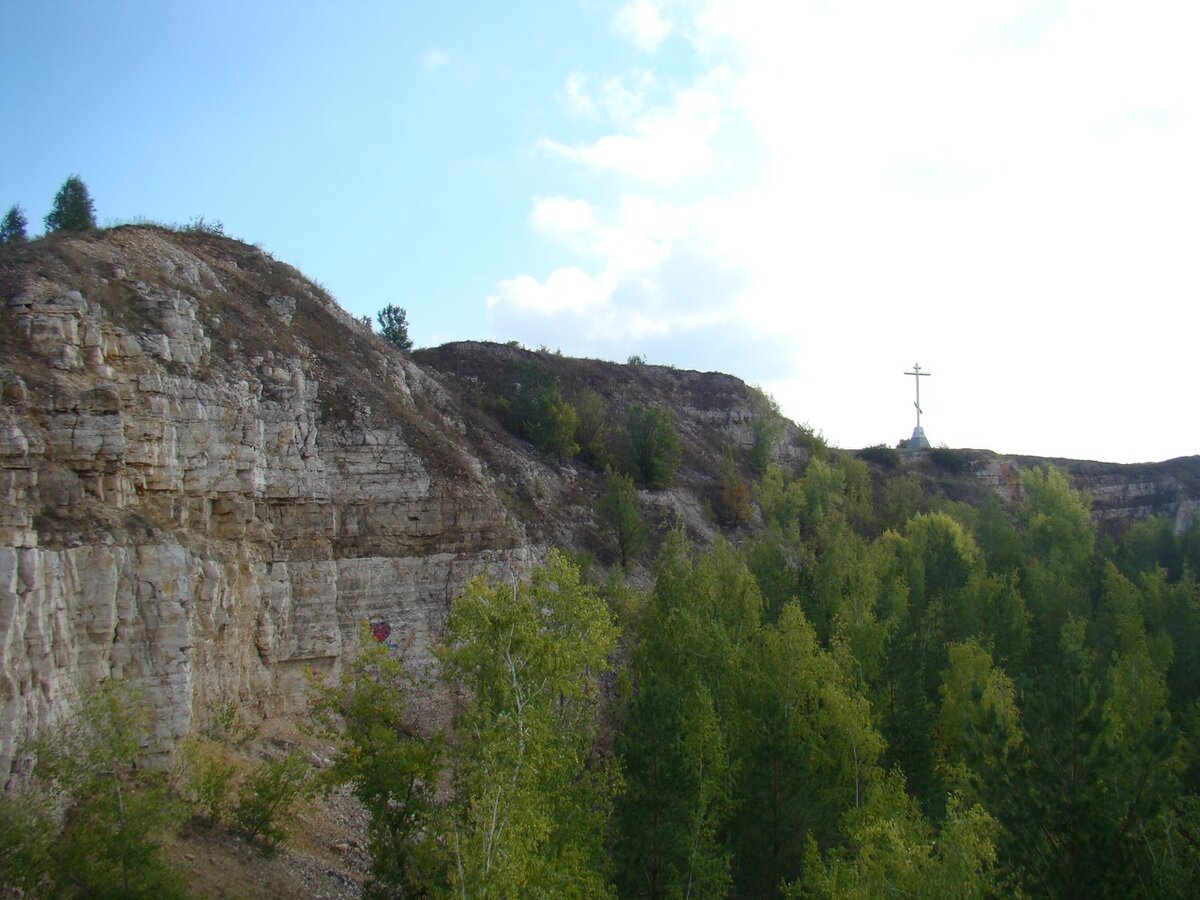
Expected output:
{"points": [[918, 441]]}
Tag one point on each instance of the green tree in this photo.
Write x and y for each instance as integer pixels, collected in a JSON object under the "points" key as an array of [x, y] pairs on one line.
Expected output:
{"points": [[766, 429], [978, 733], [674, 748], [268, 797], [73, 209], [620, 514], [539, 413], [391, 770], [393, 325], [529, 807], [116, 810], [12, 228], [594, 433], [895, 851], [806, 751], [652, 447]]}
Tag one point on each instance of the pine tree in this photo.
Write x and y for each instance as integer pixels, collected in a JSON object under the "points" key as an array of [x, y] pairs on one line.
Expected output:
{"points": [[73, 208], [12, 228]]}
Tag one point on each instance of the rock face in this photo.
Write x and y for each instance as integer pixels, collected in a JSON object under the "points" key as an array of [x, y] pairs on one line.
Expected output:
{"points": [[211, 476]]}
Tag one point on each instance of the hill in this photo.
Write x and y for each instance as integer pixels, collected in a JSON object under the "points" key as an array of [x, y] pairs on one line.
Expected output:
{"points": [[212, 474]]}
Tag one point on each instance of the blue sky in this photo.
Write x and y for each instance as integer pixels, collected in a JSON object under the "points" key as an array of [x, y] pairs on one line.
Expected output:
{"points": [[811, 196]]}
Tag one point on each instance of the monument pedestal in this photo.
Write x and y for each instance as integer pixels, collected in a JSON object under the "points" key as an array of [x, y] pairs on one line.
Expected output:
{"points": [[918, 441]]}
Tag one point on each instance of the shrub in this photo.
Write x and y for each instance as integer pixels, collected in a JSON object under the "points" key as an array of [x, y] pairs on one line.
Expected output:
{"points": [[652, 450], [268, 796], [113, 810], [949, 461], [539, 413], [210, 770], [201, 225], [393, 325], [881, 455], [73, 208]]}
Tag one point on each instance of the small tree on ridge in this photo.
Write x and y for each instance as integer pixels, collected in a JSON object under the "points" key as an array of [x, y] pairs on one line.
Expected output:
{"points": [[12, 229], [73, 208], [393, 325]]}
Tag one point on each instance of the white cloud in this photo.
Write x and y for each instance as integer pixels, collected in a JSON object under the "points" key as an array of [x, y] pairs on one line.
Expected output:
{"points": [[666, 144], [1001, 196], [642, 23], [575, 98]]}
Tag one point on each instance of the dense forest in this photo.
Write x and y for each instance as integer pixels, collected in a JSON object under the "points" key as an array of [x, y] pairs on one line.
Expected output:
{"points": [[872, 697], [876, 693]]}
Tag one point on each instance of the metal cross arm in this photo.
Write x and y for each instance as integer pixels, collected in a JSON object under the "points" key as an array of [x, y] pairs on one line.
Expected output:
{"points": [[917, 375]]}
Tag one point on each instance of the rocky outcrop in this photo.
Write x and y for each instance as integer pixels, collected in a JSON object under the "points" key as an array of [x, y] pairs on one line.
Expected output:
{"points": [[1118, 492], [210, 476]]}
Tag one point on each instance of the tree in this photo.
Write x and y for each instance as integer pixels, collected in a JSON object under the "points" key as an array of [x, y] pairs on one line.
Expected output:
{"points": [[593, 431], [895, 851], [652, 448], [539, 413], [529, 805], [115, 809], [620, 514], [393, 325], [73, 208], [12, 229], [391, 771]]}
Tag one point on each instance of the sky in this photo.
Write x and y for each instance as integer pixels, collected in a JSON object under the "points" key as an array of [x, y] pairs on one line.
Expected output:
{"points": [[812, 196]]}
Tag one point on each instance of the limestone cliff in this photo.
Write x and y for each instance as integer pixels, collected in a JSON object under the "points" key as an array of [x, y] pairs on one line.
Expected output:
{"points": [[211, 475]]}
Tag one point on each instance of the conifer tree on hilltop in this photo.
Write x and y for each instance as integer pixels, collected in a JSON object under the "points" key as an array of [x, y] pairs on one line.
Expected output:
{"points": [[73, 208], [12, 228]]}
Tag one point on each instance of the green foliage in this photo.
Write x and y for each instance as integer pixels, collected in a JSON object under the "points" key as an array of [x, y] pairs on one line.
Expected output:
{"points": [[529, 804], [952, 462], [894, 850], [73, 209], [211, 771], [392, 771], [113, 810], [594, 433], [539, 413], [881, 455], [268, 797], [652, 450], [201, 225], [674, 748], [733, 496], [12, 228], [620, 514], [393, 325], [978, 730], [766, 428]]}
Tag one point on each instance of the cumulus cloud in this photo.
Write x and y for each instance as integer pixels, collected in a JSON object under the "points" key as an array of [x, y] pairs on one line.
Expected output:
{"points": [[574, 96], [941, 184], [663, 144], [642, 22]]}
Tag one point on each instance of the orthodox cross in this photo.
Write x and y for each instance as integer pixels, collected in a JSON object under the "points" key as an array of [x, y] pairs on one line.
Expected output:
{"points": [[917, 376]]}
